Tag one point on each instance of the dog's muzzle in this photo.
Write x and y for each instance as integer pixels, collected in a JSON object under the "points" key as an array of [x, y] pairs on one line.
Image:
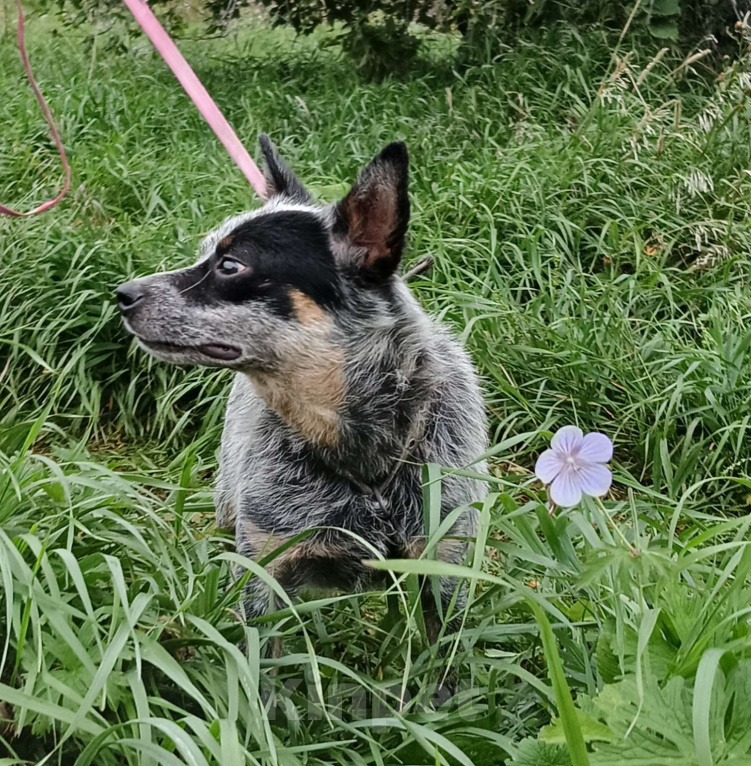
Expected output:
{"points": [[131, 295]]}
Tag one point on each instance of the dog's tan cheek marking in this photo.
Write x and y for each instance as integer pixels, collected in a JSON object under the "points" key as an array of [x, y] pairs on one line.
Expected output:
{"points": [[260, 543], [311, 548], [226, 243], [308, 392], [307, 311], [256, 541]]}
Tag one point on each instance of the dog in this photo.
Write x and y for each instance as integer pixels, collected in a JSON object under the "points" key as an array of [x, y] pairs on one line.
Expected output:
{"points": [[343, 386]]}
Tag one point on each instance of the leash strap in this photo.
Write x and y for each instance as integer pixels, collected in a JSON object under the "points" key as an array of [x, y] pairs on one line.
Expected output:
{"points": [[50, 121], [187, 78], [198, 94]]}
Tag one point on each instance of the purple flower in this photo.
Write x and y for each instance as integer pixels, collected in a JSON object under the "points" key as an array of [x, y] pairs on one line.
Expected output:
{"points": [[574, 465]]}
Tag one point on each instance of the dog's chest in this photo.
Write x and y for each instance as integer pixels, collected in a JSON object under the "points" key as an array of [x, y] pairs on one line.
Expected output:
{"points": [[269, 477], [282, 490]]}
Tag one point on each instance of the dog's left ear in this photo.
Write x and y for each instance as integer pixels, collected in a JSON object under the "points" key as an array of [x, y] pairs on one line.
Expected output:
{"points": [[280, 178], [373, 218]]}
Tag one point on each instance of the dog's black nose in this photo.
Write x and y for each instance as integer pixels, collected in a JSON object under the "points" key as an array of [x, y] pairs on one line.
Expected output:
{"points": [[128, 295]]}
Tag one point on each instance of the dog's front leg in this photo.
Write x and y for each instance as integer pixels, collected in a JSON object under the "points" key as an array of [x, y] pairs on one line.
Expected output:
{"points": [[259, 599]]}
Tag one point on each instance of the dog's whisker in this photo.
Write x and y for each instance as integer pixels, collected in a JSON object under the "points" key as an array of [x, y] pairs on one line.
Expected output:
{"points": [[195, 284]]}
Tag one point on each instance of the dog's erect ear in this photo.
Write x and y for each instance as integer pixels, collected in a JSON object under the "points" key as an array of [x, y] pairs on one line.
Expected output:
{"points": [[373, 218], [280, 178]]}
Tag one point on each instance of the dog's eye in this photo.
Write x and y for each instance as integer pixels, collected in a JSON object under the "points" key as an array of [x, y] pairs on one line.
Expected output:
{"points": [[229, 267]]}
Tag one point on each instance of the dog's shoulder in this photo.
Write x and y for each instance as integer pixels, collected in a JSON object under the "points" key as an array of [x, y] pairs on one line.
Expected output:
{"points": [[459, 426]]}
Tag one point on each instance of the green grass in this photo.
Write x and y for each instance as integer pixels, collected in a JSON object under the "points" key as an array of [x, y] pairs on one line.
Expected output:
{"points": [[591, 240]]}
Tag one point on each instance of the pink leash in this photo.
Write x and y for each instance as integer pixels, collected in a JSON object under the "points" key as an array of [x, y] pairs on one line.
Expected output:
{"points": [[198, 94], [187, 78], [50, 121]]}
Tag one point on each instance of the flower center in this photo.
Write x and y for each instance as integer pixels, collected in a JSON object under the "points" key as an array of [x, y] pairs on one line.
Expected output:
{"points": [[571, 461]]}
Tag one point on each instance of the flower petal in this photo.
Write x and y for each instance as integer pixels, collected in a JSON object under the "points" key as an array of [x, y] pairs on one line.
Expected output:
{"points": [[595, 479], [566, 439], [596, 448], [565, 490], [548, 466]]}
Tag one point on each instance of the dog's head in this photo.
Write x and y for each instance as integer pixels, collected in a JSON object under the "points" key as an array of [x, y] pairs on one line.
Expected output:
{"points": [[266, 281]]}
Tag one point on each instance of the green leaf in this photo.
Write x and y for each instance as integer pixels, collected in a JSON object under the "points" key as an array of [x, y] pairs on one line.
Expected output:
{"points": [[533, 752], [664, 30], [666, 8], [569, 721], [738, 728], [672, 725], [702, 704], [607, 661], [661, 724], [592, 730]]}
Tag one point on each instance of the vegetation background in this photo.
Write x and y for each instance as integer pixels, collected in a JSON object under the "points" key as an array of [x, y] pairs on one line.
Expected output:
{"points": [[582, 177]]}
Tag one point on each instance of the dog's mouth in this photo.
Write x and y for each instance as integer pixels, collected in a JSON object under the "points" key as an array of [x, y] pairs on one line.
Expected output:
{"points": [[217, 351]]}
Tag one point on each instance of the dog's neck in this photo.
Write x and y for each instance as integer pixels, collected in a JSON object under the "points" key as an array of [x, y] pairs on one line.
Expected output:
{"points": [[307, 397], [391, 382], [307, 389], [353, 399]]}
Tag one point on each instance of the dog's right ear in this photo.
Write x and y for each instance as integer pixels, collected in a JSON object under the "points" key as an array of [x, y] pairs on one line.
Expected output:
{"points": [[280, 178], [371, 221]]}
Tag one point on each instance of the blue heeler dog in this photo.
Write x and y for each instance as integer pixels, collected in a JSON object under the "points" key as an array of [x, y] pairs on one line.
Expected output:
{"points": [[343, 386]]}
